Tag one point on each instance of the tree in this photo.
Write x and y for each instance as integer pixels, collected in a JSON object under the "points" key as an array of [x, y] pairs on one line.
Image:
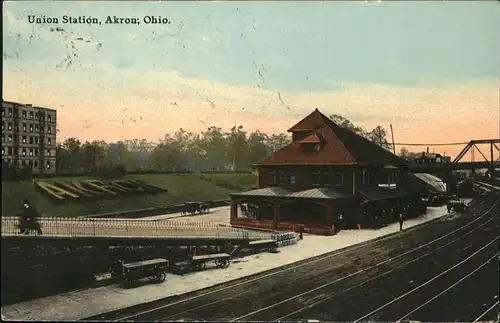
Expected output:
{"points": [[405, 153], [346, 123], [257, 147], [278, 141], [213, 147], [379, 136], [237, 149]]}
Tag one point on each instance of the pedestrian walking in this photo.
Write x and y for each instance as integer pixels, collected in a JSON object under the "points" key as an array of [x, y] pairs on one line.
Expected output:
{"points": [[301, 232], [29, 219]]}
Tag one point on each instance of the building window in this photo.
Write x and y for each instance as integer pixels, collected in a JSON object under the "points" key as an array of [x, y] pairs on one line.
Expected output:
{"points": [[23, 162], [31, 140], [36, 152], [3, 125], [48, 165], [30, 162], [49, 118], [48, 152], [316, 177], [3, 151], [325, 179], [36, 128], [49, 129], [291, 179], [36, 140], [9, 138], [49, 141], [36, 163], [31, 152], [3, 137], [3, 112], [24, 152], [9, 151], [31, 114], [366, 177], [24, 139], [338, 178], [282, 177], [9, 126], [24, 114], [36, 115], [31, 128], [10, 112], [271, 178], [24, 126]]}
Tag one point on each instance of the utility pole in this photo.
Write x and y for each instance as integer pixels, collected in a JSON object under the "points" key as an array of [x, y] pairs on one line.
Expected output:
{"points": [[393, 145]]}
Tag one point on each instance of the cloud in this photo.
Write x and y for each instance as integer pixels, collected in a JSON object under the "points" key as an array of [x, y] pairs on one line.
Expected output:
{"points": [[119, 104]]}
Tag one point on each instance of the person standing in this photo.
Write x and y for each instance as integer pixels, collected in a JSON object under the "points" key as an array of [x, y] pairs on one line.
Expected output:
{"points": [[401, 219]]}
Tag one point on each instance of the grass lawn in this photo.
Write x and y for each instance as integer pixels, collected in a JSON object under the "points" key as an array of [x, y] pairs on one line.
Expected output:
{"points": [[181, 188]]}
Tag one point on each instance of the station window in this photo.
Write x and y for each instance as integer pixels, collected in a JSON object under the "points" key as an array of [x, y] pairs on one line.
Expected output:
{"points": [[316, 177], [24, 126], [31, 128], [9, 126], [48, 152], [24, 139], [10, 112], [31, 114], [338, 179], [291, 179], [281, 177], [271, 178], [49, 130], [48, 165], [24, 114], [31, 140]]}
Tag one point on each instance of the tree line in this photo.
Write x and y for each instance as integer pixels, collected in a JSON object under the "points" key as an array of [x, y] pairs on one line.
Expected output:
{"points": [[213, 149]]}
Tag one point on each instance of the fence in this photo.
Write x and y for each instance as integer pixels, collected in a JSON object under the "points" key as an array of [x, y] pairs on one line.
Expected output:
{"points": [[132, 228]]}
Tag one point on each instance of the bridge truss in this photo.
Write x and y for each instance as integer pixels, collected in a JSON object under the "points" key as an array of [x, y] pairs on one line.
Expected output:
{"points": [[473, 147]]}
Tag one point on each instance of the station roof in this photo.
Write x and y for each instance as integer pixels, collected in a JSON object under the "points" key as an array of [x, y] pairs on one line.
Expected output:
{"points": [[319, 193], [341, 146], [374, 193], [268, 192], [315, 193]]}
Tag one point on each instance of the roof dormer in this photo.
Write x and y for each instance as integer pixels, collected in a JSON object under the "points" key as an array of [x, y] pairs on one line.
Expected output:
{"points": [[311, 143]]}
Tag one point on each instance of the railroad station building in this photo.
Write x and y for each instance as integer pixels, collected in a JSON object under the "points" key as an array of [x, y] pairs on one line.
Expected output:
{"points": [[328, 176]]}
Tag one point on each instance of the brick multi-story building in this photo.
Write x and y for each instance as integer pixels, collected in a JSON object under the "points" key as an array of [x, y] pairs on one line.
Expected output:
{"points": [[29, 136], [326, 175]]}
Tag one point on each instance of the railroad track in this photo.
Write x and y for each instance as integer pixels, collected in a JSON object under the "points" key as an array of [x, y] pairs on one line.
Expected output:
{"points": [[264, 297]]}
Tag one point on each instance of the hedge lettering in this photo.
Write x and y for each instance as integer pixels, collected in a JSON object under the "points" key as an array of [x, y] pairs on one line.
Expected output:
{"points": [[62, 191]]}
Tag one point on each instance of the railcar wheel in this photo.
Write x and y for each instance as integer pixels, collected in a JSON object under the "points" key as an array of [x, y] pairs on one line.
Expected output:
{"points": [[160, 277], [224, 264]]}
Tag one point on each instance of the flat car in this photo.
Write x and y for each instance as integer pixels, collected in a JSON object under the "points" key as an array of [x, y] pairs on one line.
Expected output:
{"points": [[154, 269]]}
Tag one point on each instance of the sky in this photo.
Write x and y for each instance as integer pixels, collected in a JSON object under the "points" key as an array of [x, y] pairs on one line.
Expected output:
{"points": [[429, 68]]}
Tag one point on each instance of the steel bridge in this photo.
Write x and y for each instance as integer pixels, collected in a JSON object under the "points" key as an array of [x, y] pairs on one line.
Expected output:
{"points": [[489, 163]]}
